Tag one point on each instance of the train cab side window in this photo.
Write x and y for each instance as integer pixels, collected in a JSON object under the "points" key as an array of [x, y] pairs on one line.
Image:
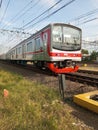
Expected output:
{"points": [[45, 38]]}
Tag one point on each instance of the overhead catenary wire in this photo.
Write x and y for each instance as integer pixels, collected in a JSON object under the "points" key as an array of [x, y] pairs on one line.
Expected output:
{"points": [[84, 16], [42, 14], [5, 11], [48, 9], [0, 3], [16, 17], [22, 35], [89, 20], [87, 14], [40, 19], [19, 13], [54, 12], [13, 31], [69, 2]]}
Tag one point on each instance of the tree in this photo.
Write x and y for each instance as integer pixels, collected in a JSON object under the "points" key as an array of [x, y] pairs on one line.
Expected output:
{"points": [[85, 55], [93, 55], [84, 51]]}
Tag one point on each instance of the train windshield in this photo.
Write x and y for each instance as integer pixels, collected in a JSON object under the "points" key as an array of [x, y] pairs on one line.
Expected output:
{"points": [[66, 38]]}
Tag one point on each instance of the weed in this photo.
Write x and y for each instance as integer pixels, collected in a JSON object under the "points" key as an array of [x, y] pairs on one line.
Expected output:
{"points": [[31, 106]]}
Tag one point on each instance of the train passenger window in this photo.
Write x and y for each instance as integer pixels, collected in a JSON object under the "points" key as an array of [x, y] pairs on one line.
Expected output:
{"points": [[13, 52], [19, 50], [24, 48], [38, 43], [33, 45], [29, 47]]}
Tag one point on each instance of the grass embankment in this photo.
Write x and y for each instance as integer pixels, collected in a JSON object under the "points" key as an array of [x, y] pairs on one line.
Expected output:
{"points": [[31, 106]]}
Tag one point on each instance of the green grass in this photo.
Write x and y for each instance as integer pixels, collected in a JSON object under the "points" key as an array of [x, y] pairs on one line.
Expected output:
{"points": [[31, 106]]}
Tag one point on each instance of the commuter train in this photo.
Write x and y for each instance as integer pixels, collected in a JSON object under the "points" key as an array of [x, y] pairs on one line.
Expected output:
{"points": [[56, 46]]}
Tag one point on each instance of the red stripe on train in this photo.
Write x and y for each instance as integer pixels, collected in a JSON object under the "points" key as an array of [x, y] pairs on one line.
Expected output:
{"points": [[65, 54]]}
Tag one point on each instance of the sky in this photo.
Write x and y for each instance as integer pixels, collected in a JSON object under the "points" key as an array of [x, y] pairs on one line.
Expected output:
{"points": [[24, 15]]}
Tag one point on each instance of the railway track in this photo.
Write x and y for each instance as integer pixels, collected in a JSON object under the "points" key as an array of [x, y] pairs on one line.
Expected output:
{"points": [[84, 77], [87, 78], [30, 67], [88, 71]]}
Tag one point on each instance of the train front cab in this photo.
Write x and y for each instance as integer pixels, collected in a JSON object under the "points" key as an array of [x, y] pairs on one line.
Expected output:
{"points": [[65, 48]]}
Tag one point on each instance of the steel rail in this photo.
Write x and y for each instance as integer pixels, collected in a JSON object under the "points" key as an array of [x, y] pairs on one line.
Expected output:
{"points": [[84, 79]]}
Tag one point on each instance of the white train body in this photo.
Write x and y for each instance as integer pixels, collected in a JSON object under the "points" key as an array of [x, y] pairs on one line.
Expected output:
{"points": [[55, 44]]}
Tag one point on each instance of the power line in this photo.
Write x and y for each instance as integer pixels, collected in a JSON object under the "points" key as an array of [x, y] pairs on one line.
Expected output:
{"points": [[21, 15], [49, 14], [5, 11], [14, 31], [10, 33], [0, 3], [34, 6], [17, 15], [59, 9], [42, 13], [89, 20], [84, 15], [87, 14], [42, 5]]}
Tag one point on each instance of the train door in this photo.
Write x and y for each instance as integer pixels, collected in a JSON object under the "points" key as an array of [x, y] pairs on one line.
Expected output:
{"points": [[45, 41], [38, 49], [24, 51]]}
